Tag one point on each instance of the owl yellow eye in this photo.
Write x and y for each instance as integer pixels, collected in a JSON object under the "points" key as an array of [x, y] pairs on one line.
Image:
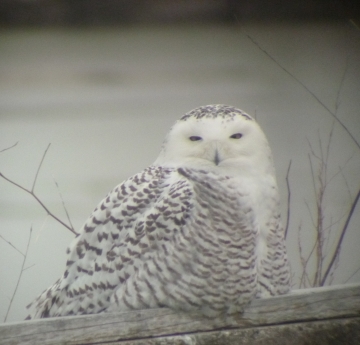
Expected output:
{"points": [[236, 136], [195, 138]]}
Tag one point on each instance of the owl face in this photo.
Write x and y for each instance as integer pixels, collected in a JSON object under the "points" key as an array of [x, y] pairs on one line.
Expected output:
{"points": [[217, 142]]}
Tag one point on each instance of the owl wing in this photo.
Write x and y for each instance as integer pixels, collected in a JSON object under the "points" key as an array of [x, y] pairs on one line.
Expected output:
{"points": [[180, 238], [132, 220]]}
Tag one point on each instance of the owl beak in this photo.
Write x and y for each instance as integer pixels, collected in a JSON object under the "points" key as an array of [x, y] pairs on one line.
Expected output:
{"points": [[217, 157]]}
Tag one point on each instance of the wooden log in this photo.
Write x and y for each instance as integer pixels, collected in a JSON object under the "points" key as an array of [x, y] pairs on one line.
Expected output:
{"points": [[312, 311], [329, 332]]}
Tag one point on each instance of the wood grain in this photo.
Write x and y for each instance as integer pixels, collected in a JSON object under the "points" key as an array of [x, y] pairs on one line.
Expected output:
{"points": [[154, 326]]}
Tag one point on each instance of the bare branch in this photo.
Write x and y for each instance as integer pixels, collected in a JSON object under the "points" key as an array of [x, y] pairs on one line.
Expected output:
{"points": [[337, 102], [312, 176], [327, 229], [320, 180], [304, 262], [341, 172], [311, 216], [8, 148], [39, 167], [40, 202], [312, 150], [320, 183], [338, 246], [328, 146], [26, 268], [21, 272], [332, 223], [8, 242], [32, 193], [336, 265], [288, 200], [317, 99], [310, 255]]}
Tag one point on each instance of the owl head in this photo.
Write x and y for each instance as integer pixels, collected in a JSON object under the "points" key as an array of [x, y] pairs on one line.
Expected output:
{"points": [[216, 137]]}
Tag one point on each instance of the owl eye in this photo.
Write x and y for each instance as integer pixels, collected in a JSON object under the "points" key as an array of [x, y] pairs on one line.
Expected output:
{"points": [[236, 136], [195, 138]]}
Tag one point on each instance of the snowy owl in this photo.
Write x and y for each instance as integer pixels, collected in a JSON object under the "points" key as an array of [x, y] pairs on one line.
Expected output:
{"points": [[198, 230]]}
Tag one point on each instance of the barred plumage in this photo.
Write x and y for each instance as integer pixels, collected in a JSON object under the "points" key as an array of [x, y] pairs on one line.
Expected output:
{"points": [[198, 230]]}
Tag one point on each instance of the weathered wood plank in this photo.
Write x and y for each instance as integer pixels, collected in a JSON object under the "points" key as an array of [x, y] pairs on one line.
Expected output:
{"points": [[299, 306], [329, 332]]}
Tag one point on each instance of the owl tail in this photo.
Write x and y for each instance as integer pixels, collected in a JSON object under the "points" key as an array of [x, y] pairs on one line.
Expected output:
{"points": [[42, 306]]}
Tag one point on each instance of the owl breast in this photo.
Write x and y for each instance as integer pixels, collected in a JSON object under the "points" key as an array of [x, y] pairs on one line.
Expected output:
{"points": [[208, 263]]}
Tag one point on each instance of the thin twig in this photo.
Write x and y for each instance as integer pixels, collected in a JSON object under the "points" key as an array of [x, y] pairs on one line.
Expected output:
{"points": [[328, 230], [32, 193], [63, 203], [337, 102], [322, 186], [332, 223], [40, 202], [304, 276], [345, 181], [328, 146], [288, 200], [8, 242], [311, 216], [302, 260], [313, 153], [39, 167], [311, 253], [341, 171], [352, 275], [313, 179], [8, 148], [317, 242], [338, 246], [332, 272], [26, 268], [317, 99], [20, 275]]}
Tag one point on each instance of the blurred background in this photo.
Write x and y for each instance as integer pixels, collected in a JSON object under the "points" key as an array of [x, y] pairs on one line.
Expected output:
{"points": [[103, 81], [120, 12]]}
